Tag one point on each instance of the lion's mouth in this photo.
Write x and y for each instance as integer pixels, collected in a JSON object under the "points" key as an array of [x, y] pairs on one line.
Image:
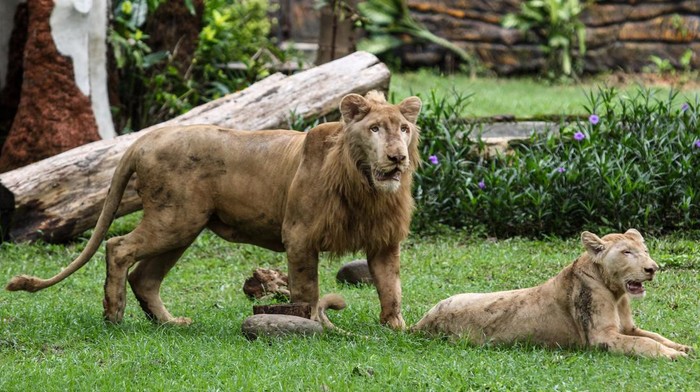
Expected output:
{"points": [[392, 175], [634, 287]]}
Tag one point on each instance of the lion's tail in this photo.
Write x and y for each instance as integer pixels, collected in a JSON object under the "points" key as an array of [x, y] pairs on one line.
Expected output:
{"points": [[329, 301], [120, 180], [335, 302]]}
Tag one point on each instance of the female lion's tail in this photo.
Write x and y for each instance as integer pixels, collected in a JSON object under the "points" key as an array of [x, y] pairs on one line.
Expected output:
{"points": [[121, 177]]}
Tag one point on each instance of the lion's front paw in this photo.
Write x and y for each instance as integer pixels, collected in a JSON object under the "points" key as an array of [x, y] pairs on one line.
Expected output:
{"points": [[685, 349], [672, 354], [394, 322]]}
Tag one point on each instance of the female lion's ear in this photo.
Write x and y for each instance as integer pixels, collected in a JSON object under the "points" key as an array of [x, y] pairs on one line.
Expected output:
{"points": [[353, 107], [634, 234], [410, 108], [593, 244]]}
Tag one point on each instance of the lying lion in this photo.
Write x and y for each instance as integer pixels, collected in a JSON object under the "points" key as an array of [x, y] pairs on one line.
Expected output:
{"points": [[340, 187], [586, 304]]}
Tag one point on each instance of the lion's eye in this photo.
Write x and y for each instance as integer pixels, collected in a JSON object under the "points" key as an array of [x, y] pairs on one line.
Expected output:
{"points": [[374, 128], [404, 128], [627, 252]]}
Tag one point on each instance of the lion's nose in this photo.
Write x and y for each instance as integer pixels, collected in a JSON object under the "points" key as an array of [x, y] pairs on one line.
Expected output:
{"points": [[398, 158], [652, 269]]}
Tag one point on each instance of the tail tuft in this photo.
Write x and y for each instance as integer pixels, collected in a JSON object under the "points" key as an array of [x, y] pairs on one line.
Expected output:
{"points": [[331, 301], [23, 283]]}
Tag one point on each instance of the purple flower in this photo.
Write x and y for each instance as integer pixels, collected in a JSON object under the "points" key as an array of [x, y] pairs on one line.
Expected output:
{"points": [[561, 169], [433, 159], [481, 184], [593, 119], [578, 136], [685, 107], [697, 143]]}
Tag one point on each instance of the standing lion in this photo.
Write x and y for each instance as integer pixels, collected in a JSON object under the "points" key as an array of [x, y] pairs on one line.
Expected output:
{"points": [[341, 187]]}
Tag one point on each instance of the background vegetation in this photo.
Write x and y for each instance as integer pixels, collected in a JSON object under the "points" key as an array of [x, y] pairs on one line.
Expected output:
{"points": [[632, 163], [154, 87]]}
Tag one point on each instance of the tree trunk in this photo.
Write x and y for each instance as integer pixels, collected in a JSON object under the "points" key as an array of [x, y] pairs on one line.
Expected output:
{"points": [[336, 37], [62, 196]]}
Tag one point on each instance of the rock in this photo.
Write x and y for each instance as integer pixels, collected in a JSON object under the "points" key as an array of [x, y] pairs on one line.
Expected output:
{"points": [[279, 325], [355, 272]]}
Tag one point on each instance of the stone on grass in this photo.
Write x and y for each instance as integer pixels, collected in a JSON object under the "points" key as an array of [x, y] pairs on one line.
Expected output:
{"points": [[355, 272], [279, 325]]}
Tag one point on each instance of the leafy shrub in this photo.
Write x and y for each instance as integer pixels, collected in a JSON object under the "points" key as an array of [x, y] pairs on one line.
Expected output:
{"points": [[558, 24], [153, 88], [632, 164], [387, 23]]}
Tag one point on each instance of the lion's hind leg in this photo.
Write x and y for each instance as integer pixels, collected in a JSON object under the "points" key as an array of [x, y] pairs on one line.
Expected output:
{"points": [[150, 241], [145, 280]]}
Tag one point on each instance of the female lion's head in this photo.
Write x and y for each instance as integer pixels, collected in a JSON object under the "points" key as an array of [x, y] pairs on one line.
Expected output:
{"points": [[382, 138], [625, 260]]}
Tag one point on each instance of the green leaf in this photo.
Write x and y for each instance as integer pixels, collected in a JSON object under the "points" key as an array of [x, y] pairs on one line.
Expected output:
{"points": [[379, 44], [138, 18], [190, 7], [155, 58]]}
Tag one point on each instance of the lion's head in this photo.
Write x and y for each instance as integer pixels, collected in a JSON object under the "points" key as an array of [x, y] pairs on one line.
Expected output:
{"points": [[383, 138], [624, 259]]}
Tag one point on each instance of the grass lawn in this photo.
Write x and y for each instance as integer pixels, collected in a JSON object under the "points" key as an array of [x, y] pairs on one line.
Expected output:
{"points": [[55, 340], [521, 97]]}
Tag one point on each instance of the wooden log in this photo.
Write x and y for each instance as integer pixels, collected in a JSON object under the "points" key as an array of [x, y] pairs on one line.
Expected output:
{"points": [[299, 309], [60, 197]]}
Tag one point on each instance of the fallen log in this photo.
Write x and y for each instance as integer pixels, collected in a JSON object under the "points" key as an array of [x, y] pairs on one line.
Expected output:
{"points": [[60, 197]]}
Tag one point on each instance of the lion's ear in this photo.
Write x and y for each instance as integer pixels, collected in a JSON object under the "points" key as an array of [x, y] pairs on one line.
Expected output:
{"points": [[410, 108], [353, 107], [592, 243], [634, 234]]}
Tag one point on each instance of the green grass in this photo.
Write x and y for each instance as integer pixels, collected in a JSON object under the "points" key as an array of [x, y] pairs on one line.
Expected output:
{"points": [[56, 340], [521, 97]]}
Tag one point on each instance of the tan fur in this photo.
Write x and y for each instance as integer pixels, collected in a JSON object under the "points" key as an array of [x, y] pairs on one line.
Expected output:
{"points": [[586, 304], [341, 187]]}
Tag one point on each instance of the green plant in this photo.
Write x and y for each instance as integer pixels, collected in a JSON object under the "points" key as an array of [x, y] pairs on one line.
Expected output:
{"points": [[133, 57], [155, 88], [685, 60], [386, 21], [234, 31], [448, 148], [661, 65], [558, 23], [631, 164]]}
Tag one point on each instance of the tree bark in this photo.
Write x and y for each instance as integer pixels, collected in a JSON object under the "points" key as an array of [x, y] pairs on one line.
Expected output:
{"points": [[337, 36], [62, 196]]}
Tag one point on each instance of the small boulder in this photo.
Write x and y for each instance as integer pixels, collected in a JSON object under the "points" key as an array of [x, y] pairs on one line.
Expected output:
{"points": [[279, 325], [355, 272]]}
